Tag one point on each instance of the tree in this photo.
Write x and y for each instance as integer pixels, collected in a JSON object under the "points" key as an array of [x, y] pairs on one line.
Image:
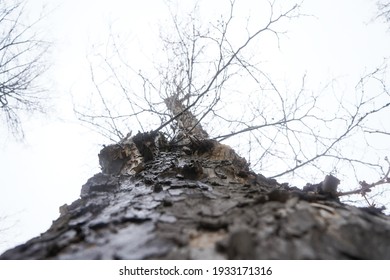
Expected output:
{"points": [[21, 64], [384, 10], [198, 199], [5, 225], [285, 134], [185, 195]]}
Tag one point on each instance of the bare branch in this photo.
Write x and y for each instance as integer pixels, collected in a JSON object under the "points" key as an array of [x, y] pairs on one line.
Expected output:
{"points": [[366, 187], [21, 64], [209, 83]]}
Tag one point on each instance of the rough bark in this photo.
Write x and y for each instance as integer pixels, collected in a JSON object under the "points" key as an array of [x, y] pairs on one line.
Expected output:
{"points": [[160, 200]]}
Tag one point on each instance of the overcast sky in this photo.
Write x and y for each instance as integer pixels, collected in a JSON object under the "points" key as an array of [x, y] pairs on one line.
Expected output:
{"points": [[339, 40]]}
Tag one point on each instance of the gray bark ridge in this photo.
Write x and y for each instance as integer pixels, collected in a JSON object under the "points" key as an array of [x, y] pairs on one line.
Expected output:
{"points": [[159, 200]]}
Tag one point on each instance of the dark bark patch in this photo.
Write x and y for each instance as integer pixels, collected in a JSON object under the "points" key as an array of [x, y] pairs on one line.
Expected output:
{"points": [[241, 245], [99, 183]]}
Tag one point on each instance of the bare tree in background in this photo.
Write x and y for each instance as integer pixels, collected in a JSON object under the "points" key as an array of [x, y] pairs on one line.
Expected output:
{"points": [[21, 64], [222, 81], [5, 226], [384, 10]]}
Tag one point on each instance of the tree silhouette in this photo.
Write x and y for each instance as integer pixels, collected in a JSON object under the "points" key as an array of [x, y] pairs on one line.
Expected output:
{"points": [[383, 10], [21, 64]]}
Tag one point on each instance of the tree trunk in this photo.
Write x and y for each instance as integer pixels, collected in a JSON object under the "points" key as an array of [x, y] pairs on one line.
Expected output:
{"points": [[159, 200]]}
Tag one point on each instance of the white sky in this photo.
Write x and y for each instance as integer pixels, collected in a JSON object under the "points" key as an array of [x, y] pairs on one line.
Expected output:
{"points": [[38, 176]]}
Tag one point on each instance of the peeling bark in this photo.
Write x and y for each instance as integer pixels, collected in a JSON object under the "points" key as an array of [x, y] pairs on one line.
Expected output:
{"points": [[159, 200]]}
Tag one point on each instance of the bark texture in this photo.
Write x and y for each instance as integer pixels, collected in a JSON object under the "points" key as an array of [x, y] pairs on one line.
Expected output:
{"points": [[160, 200]]}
